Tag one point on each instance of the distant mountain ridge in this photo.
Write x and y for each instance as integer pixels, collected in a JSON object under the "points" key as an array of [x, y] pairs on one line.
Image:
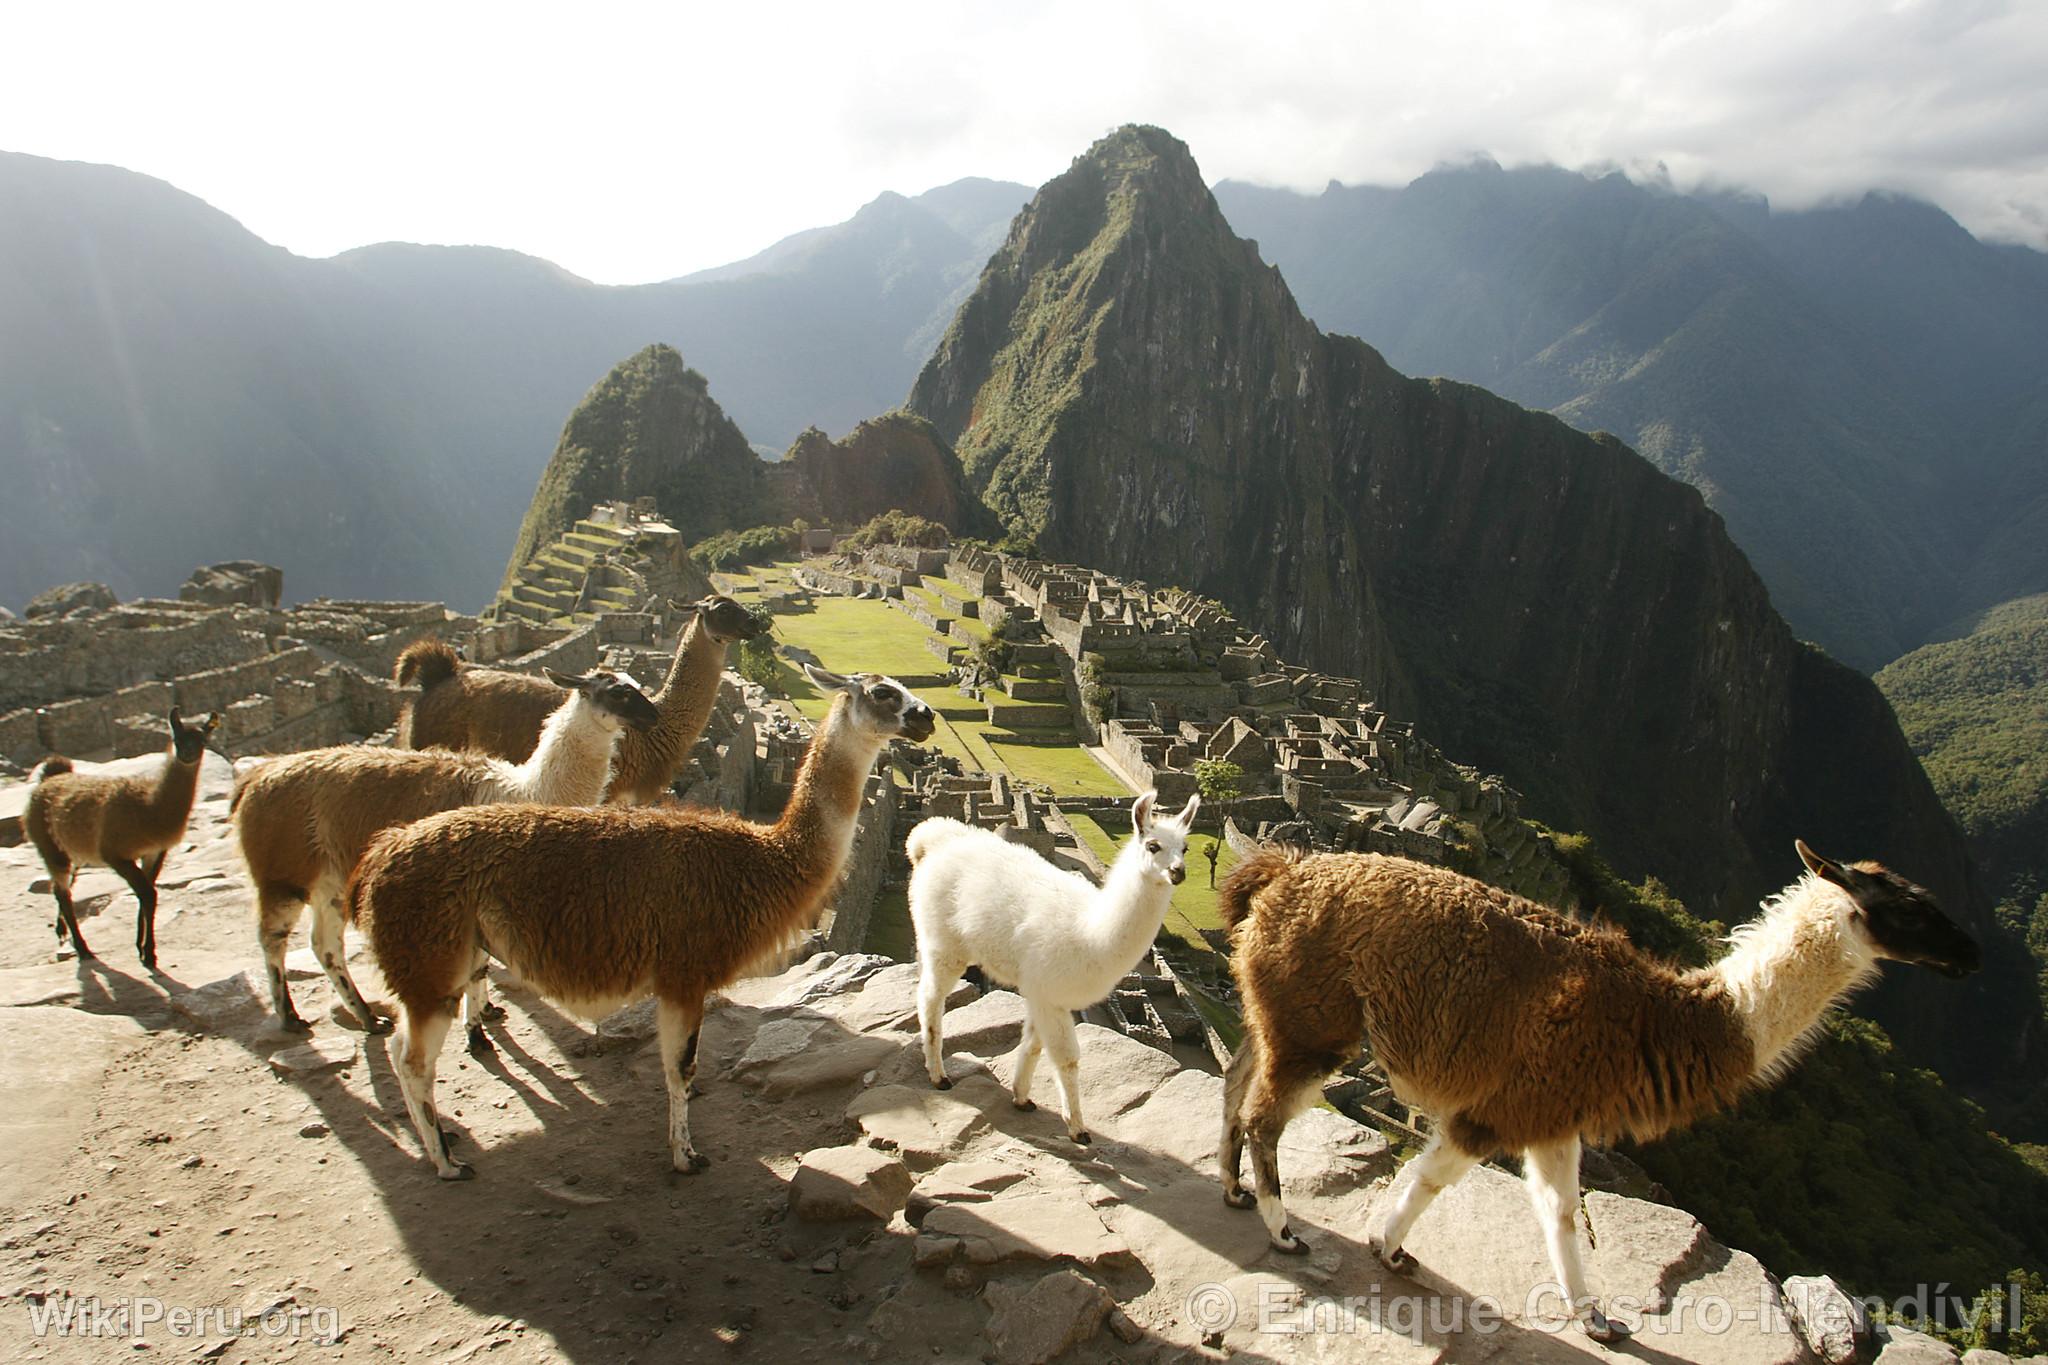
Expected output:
{"points": [[1861, 391], [389, 410]]}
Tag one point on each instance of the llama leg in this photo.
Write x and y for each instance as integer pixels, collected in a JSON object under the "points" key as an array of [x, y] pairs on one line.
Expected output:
{"points": [[1552, 1174], [145, 907], [1440, 1166], [416, 1052], [933, 980], [1027, 1062], [327, 946], [676, 1026], [145, 920], [1281, 1087], [1236, 1080], [277, 910], [473, 1005], [1056, 1027], [61, 880]]}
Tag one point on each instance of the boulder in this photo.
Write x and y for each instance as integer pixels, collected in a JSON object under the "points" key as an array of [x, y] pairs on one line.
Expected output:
{"points": [[236, 583], [1058, 1225], [834, 1183], [986, 1026], [1903, 1346], [1832, 1323], [1032, 1325], [926, 1126], [69, 598], [217, 1004]]}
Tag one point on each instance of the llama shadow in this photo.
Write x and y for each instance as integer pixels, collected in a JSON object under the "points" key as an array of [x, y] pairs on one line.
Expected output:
{"points": [[577, 1229]]}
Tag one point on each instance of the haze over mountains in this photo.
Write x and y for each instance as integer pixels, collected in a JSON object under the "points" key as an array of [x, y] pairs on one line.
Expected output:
{"points": [[174, 390], [1859, 391]]}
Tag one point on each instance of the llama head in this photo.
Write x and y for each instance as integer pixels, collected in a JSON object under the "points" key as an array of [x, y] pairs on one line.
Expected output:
{"points": [[1894, 917], [725, 620], [878, 704], [1162, 843], [188, 742], [615, 697]]}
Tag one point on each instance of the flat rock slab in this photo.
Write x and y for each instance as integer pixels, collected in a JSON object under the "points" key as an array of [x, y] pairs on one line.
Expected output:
{"points": [[986, 1026], [826, 976], [791, 1056], [1117, 1073], [961, 1182], [1267, 1317], [315, 1057], [46, 983], [220, 1004], [52, 1063], [1324, 1153], [1055, 1226], [848, 1182], [928, 1126], [1181, 1121], [1186, 1235]]}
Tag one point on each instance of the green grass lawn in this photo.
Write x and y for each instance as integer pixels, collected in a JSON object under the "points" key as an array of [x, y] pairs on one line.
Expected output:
{"points": [[1194, 900], [855, 635]]}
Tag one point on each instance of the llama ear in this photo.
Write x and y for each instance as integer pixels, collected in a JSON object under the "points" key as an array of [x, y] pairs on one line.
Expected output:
{"points": [[567, 680], [1819, 866], [1186, 818], [827, 681], [1141, 812]]}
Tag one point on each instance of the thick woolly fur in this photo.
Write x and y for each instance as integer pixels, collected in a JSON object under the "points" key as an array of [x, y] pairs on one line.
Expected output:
{"points": [[977, 899], [499, 713], [1520, 1029], [596, 909], [305, 819], [126, 823]]}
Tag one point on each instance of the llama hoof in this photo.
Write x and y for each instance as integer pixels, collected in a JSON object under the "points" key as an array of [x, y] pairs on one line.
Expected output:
{"points": [[1602, 1328], [1401, 1261], [1286, 1241], [480, 1044], [1025, 1106], [1084, 1138], [378, 1024], [943, 1083], [492, 1014], [690, 1163], [1241, 1199], [293, 1024], [459, 1170]]}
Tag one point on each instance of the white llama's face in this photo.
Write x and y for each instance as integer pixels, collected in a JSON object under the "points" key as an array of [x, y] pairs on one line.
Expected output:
{"points": [[1163, 843], [879, 703]]}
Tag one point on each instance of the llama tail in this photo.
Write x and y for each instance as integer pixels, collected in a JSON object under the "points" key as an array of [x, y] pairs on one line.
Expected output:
{"points": [[243, 777], [50, 767], [1248, 879], [426, 662], [930, 834], [355, 899]]}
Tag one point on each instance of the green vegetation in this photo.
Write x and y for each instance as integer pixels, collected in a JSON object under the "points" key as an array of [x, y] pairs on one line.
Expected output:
{"points": [[1194, 900], [732, 549], [1218, 779], [1652, 917], [897, 527], [1976, 711]]}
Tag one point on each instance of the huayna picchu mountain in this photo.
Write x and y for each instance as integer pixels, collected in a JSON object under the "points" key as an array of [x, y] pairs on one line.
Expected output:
{"points": [[1132, 385]]}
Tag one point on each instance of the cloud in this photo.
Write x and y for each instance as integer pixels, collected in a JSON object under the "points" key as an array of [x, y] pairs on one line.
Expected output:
{"points": [[639, 141]]}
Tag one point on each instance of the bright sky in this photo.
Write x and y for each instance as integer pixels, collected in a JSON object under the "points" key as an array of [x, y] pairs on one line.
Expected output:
{"points": [[633, 142]]}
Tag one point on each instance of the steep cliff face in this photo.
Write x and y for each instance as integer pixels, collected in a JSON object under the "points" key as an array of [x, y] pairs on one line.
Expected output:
{"points": [[648, 429], [897, 461], [1132, 384]]}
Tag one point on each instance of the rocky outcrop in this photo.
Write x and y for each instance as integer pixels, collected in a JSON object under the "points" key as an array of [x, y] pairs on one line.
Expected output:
{"points": [[894, 462], [1134, 386], [64, 600], [649, 429], [239, 582]]}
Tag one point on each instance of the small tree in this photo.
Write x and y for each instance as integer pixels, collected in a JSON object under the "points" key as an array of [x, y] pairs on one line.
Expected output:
{"points": [[1218, 779], [757, 656], [1212, 853]]}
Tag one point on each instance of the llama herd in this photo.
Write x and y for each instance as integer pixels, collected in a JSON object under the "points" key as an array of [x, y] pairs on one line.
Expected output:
{"points": [[516, 823]]}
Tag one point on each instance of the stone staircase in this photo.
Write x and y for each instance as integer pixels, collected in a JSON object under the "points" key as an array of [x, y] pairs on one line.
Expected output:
{"points": [[575, 577]]}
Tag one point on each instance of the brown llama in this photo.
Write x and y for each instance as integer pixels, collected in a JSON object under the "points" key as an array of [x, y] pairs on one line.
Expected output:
{"points": [[129, 824], [597, 909], [304, 819], [499, 713], [1520, 1029]]}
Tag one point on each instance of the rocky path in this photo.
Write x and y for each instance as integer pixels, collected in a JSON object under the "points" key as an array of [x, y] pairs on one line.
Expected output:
{"points": [[167, 1148]]}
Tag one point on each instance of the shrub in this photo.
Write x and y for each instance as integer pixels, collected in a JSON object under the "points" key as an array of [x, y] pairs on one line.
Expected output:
{"points": [[730, 550], [1218, 779], [897, 527]]}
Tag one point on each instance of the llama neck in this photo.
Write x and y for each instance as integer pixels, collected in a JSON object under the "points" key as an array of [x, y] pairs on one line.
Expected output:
{"points": [[692, 680], [1124, 915], [823, 812], [573, 760], [1788, 966], [176, 785]]}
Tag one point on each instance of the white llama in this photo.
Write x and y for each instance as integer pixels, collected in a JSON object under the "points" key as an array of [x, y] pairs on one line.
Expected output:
{"points": [[978, 900]]}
